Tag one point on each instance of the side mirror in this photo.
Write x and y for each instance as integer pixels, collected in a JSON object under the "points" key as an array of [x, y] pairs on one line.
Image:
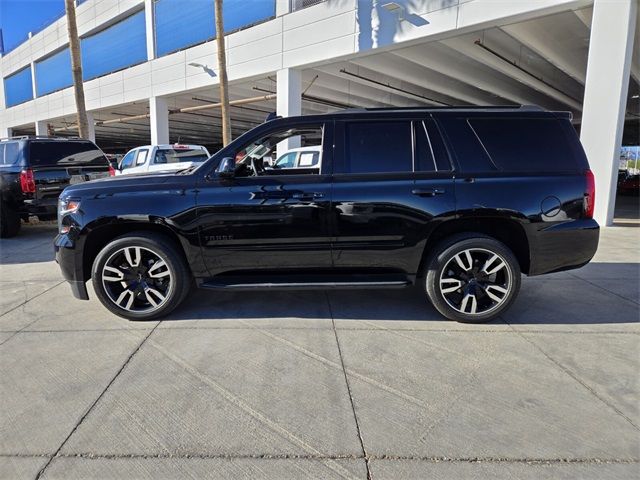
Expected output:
{"points": [[227, 168]]}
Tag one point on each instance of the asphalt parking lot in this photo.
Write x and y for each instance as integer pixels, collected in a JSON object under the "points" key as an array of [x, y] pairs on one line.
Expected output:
{"points": [[321, 384]]}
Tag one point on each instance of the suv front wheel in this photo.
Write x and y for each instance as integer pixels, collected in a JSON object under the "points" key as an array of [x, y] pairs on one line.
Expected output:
{"points": [[140, 276], [472, 278]]}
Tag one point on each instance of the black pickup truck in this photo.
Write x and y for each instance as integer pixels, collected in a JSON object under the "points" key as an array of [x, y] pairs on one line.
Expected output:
{"points": [[35, 170]]}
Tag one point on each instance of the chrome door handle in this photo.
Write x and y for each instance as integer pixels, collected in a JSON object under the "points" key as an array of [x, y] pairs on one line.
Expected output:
{"points": [[307, 195], [427, 192]]}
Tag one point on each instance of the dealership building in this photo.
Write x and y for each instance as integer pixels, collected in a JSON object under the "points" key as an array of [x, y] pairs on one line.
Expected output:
{"points": [[149, 67]]}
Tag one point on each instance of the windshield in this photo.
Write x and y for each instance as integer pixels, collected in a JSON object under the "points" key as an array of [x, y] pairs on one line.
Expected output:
{"points": [[65, 154]]}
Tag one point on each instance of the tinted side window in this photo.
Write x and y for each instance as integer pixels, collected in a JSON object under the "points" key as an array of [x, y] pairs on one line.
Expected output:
{"points": [[525, 144], [10, 154], [378, 147], [2, 154], [468, 150], [63, 153], [431, 154]]}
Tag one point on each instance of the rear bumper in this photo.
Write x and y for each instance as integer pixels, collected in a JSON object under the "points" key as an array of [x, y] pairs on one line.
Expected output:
{"points": [[46, 208], [563, 246], [70, 265]]}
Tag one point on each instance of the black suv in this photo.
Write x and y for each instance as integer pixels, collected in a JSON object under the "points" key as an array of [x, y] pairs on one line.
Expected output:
{"points": [[460, 201], [35, 170]]}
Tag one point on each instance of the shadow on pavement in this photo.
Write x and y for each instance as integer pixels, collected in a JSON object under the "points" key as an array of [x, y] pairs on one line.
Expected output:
{"points": [[600, 293], [34, 244]]}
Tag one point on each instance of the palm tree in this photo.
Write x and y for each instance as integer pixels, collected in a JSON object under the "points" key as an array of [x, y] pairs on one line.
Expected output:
{"points": [[222, 73], [76, 69]]}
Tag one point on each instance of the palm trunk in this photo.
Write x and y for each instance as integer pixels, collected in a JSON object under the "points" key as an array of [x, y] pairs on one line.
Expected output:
{"points": [[76, 69], [222, 74]]}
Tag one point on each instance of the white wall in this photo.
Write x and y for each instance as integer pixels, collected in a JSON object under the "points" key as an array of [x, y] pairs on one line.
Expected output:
{"points": [[312, 36]]}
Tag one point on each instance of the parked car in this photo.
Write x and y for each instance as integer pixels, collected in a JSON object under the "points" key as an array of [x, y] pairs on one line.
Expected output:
{"points": [[629, 185], [458, 200], [35, 170], [161, 158], [303, 157]]}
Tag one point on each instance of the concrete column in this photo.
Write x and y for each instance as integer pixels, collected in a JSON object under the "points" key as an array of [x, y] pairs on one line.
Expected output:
{"points": [[159, 120], [289, 101], [41, 128], [283, 7], [92, 127], [5, 132], [605, 97], [151, 32], [34, 89]]}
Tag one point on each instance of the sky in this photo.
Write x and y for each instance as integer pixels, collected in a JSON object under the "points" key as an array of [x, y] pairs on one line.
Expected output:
{"points": [[19, 17]]}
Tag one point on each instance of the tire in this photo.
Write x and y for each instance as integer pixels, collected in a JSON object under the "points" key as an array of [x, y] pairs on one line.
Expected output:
{"points": [[472, 295], [130, 262], [9, 222]]}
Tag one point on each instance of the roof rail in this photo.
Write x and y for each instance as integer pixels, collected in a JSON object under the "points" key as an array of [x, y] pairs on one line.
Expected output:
{"points": [[524, 108], [28, 137]]}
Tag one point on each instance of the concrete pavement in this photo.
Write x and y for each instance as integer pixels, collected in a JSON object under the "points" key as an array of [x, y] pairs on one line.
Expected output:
{"points": [[321, 384]]}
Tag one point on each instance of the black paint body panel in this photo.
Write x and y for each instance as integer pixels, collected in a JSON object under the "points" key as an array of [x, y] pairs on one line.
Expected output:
{"points": [[352, 224]]}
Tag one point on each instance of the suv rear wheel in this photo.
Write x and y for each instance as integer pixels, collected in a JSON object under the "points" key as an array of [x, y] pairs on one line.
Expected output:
{"points": [[9, 222], [472, 278], [140, 276]]}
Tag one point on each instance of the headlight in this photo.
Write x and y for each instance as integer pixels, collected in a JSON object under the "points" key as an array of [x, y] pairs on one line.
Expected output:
{"points": [[66, 206]]}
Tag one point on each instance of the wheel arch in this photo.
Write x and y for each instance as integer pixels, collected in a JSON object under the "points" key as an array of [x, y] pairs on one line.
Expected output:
{"points": [[505, 230], [97, 238]]}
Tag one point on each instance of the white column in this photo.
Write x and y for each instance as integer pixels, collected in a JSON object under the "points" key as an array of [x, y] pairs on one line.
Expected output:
{"points": [[289, 101], [5, 132], [159, 120], [41, 128], [151, 32], [92, 127], [34, 89], [605, 97], [283, 7]]}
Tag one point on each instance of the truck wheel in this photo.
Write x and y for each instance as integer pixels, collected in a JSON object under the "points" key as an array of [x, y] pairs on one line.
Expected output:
{"points": [[9, 222], [472, 278], [140, 276]]}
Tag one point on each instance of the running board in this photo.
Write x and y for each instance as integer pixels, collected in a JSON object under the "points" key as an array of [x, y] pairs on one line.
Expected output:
{"points": [[283, 283]]}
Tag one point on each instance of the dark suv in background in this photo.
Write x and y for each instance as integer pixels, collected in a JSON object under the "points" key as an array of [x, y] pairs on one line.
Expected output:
{"points": [[458, 200], [35, 170]]}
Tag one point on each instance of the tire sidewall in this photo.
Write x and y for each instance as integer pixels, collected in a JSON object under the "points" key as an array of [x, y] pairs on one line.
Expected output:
{"points": [[160, 247], [9, 222], [441, 257]]}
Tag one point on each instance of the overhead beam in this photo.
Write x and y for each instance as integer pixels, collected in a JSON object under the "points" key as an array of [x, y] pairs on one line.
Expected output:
{"points": [[424, 78], [539, 38], [467, 47], [449, 62]]}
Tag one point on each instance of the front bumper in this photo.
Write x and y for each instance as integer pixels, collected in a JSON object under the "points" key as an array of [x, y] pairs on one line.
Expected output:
{"points": [[563, 246], [70, 262]]}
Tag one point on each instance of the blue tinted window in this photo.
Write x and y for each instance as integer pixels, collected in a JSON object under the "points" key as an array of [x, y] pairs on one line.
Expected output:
{"points": [[18, 87], [53, 73], [119, 46], [180, 23]]}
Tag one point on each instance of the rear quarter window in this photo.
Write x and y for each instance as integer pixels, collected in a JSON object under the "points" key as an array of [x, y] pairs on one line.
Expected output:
{"points": [[536, 145], [9, 153]]}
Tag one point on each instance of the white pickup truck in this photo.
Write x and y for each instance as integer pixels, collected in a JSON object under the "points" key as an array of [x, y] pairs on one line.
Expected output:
{"points": [[161, 158]]}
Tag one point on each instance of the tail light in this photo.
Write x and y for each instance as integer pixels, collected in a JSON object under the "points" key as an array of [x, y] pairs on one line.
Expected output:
{"points": [[589, 194], [112, 171], [27, 183]]}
